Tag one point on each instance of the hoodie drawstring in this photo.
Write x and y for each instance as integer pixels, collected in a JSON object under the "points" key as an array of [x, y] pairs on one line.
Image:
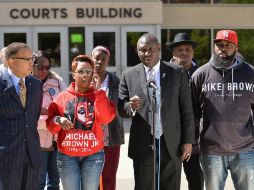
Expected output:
{"points": [[222, 95], [232, 81]]}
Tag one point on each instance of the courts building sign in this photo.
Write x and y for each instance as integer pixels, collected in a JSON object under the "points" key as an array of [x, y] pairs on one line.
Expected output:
{"points": [[81, 13], [62, 13]]}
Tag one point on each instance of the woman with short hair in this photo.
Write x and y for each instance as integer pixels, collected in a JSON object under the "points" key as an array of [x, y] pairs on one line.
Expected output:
{"points": [[76, 115]]}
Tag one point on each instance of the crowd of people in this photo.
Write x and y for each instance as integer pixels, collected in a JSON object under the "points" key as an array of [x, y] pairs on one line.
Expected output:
{"points": [[200, 118]]}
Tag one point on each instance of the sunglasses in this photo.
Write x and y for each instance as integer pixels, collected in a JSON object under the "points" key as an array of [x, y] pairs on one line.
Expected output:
{"points": [[43, 67], [86, 72]]}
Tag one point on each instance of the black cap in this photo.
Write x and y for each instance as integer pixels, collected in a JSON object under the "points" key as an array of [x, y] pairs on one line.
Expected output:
{"points": [[180, 39]]}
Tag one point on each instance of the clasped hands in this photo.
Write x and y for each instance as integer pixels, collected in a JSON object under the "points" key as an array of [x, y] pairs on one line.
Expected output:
{"points": [[186, 149], [64, 122]]}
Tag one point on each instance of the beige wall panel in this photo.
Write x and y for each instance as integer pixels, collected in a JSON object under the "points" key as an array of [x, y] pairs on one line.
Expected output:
{"points": [[208, 16], [65, 13]]}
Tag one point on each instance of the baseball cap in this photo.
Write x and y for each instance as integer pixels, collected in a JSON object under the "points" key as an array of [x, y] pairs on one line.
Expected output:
{"points": [[228, 35]]}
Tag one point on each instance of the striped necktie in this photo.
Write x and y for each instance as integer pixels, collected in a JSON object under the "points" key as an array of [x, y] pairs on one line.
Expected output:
{"points": [[150, 75], [158, 126], [22, 92]]}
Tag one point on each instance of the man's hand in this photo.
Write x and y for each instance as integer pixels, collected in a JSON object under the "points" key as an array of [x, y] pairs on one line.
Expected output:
{"points": [[135, 104], [186, 152]]}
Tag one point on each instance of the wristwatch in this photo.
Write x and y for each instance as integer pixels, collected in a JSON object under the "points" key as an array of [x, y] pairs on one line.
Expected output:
{"points": [[57, 119]]}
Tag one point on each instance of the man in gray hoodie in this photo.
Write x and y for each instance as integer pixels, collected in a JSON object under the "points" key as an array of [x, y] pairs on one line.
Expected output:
{"points": [[222, 92]]}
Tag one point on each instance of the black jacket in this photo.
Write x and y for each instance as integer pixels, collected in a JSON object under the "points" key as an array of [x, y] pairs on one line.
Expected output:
{"points": [[116, 131], [176, 109]]}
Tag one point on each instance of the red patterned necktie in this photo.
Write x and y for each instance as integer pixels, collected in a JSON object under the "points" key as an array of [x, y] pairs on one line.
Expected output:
{"points": [[22, 92]]}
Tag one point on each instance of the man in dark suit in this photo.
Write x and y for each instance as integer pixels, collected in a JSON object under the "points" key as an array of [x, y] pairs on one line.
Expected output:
{"points": [[174, 123], [20, 105], [182, 49]]}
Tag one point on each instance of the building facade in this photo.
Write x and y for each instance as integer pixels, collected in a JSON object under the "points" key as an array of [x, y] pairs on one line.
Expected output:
{"points": [[68, 28]]}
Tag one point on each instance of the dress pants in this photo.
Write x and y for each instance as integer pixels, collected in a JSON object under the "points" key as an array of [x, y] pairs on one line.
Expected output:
{"points": [[170, 171], [49, 175], [194, 173], [112, 155], [23, 178]]}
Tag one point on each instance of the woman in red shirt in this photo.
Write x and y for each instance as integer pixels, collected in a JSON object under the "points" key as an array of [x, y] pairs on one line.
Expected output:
{"points": [[76, 115]]}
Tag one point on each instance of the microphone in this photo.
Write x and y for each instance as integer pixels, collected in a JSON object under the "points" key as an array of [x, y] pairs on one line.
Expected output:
{"points": [[151, 84]]}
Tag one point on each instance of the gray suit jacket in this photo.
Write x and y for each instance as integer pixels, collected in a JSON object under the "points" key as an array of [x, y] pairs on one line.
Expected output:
{"points": [[18, 126], [176, 109]]}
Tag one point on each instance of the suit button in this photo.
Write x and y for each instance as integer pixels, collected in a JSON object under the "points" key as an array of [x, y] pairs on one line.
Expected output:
{"points": [[27, 125]]}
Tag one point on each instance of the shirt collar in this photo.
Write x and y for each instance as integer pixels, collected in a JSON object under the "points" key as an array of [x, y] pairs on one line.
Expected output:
{"points": [[105, 82], [155, 67], [14, 78], [193, 63]]}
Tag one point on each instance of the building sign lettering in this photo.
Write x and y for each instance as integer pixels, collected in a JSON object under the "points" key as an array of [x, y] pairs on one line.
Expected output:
{"points": [[42, 13], [62, 13], [109, 13], [80, 13]]}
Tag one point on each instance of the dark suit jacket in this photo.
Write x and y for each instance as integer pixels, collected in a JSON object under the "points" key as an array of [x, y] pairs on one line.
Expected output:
{"points": [[18, 126], [116, 131], [176, 109]]}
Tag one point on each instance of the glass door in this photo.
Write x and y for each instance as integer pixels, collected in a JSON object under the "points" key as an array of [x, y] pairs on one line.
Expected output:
{"points": [[108, 36], [129, 38], [54, 40], [121, 41], [13, 34]]}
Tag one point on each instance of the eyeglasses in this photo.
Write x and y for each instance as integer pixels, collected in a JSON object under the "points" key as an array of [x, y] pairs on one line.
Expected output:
{"points": [[23, 58], [43, 67], [87, 72]]}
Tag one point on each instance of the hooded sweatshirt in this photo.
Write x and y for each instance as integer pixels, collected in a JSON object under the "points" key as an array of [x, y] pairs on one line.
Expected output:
{"points": [[87, 111], [52, 86], [222, 99]]}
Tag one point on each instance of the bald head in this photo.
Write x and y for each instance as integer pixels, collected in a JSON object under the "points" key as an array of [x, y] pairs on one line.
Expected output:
{"points": [[148, 38], [148, 49]]}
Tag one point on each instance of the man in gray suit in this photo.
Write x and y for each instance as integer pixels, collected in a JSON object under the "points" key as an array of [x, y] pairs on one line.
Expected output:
{"points": [[20, 105], [174, 123]]}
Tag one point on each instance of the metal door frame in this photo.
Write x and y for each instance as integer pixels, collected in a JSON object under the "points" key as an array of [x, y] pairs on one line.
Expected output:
{"points": [[153, 29], [63, 71], [10, 29], [89, 44]]}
